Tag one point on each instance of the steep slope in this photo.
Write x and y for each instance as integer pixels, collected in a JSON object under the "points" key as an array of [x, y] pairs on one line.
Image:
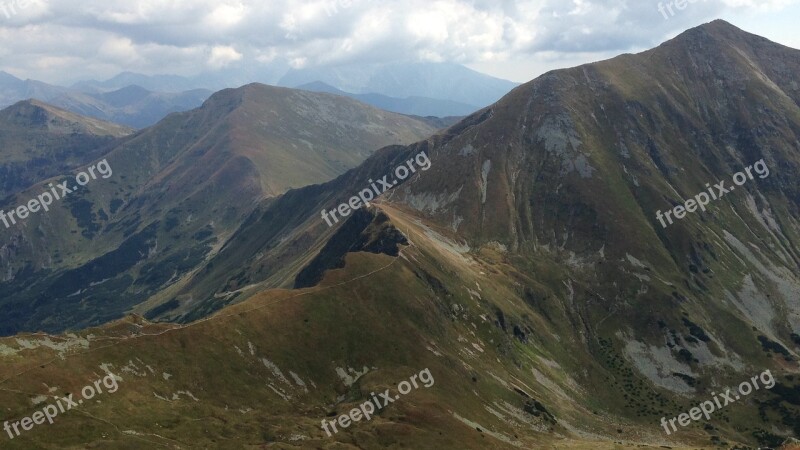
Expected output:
{"points": [[337, 134], [178, 190], [39, 141], [624, 139], [568, 174]]}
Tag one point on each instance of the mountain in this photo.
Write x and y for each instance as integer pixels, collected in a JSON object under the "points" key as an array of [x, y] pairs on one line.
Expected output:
{"points": [[132, 105], [178, 190], [161, 83], [235, 75], [13, 90], [416, 88], [522, 267], [137, 100], [39, 141], [441, 81], [416, 106]]}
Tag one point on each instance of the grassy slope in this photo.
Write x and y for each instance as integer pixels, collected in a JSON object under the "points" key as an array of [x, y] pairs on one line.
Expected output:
{"points": [[432, 307]]}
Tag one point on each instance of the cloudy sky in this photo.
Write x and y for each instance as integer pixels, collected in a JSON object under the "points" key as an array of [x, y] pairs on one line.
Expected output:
{"points": [[62, 41]]}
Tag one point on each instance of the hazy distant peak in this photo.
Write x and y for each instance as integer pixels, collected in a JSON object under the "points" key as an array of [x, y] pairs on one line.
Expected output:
{"points": [[321, 86], [35, 114], [6, 77], [133, 88]]}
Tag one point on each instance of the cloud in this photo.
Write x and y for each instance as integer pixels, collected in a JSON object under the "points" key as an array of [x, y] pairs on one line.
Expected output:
{"points": [[222, 56], [96, 38]]}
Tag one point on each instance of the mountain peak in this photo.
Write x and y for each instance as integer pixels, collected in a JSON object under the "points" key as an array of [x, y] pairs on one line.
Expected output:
{"points": [[7, 76], [35, 114], [321, 86], [717, 31]]}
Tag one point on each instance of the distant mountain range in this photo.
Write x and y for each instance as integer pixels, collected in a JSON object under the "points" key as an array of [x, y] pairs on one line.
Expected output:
{"points": [[129, 105], [441, 81], [132, 105], [137, 100], [416, 106], [415, 88], [234, 76]]}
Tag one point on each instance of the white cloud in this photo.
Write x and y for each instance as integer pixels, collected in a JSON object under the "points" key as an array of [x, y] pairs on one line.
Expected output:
{"points": [[118, 49], [188, 36], [226, 16], [221, 56]]}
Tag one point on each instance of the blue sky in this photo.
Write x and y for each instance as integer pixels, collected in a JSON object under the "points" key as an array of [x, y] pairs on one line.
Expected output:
{"points": [[62, 41]]}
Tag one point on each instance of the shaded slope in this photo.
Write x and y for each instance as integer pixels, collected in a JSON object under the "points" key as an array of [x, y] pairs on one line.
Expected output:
{"points": [[363, 232], [39, 141]]}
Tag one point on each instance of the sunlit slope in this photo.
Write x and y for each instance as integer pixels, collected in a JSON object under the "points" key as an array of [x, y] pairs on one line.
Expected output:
{"points": [[268, 370]]}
